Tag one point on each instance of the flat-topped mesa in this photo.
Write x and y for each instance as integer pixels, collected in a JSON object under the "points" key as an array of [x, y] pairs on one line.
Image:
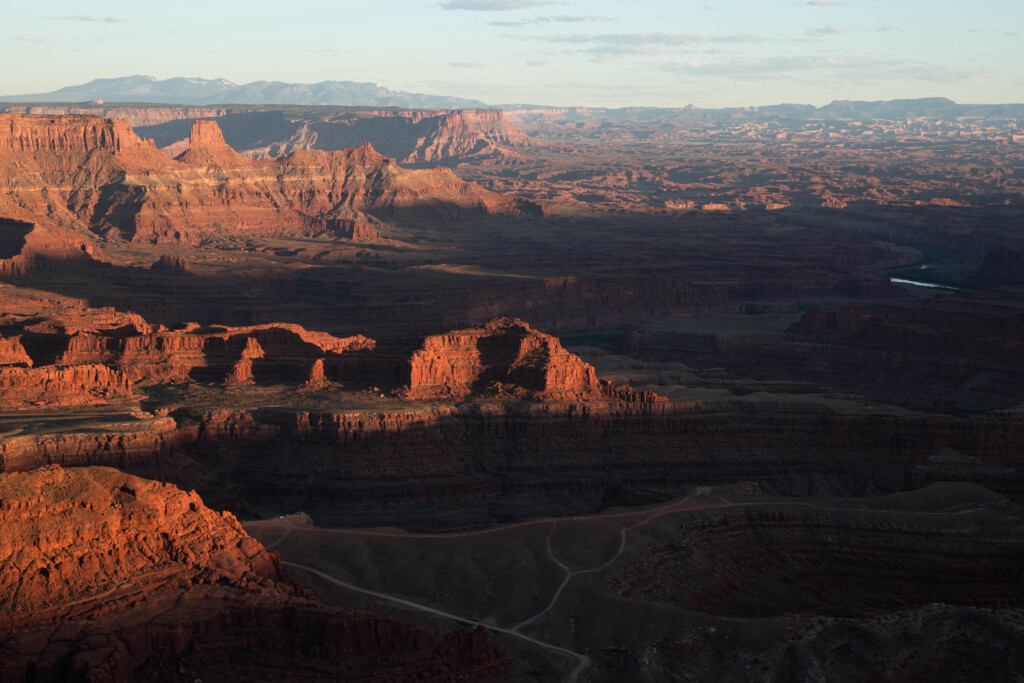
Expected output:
{"points": [[506, 357], [77, 135]]}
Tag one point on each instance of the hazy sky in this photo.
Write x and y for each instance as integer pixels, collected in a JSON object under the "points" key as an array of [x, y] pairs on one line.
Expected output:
{"points": [[572, 52]]}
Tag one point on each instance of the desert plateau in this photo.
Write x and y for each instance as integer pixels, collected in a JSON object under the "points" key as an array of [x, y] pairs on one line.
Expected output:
{"points": [[420, 389]]}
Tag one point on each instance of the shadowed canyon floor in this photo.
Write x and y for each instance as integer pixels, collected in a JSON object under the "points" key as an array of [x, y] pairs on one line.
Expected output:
{"points": [[703, 586], [690, 419]]}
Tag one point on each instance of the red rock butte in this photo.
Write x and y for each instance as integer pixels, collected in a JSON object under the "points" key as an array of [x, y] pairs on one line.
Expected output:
{"points": [[504, 357]]}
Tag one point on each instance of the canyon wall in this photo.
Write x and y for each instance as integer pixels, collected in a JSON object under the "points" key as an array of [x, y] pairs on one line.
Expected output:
{"points": [[480, 458], [90, 174]]}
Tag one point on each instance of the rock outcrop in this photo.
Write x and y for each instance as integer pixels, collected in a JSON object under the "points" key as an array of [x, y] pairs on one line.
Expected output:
{"points": [[105, 577], [503, 357], [13, 353]]}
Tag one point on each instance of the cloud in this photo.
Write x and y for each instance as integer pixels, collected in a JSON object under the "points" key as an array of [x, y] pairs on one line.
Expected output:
{"points": [[494, 5], [563, 18], [814, 68], [607, 46], [536, 63], [466, 65], [93, 18], [830, 30], [576, 18], [886, 29], [30, 39], [633, 39], [825, 3]]}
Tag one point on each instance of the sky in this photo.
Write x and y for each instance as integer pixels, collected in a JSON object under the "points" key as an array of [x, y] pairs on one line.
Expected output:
{"points": [[602, 53]]}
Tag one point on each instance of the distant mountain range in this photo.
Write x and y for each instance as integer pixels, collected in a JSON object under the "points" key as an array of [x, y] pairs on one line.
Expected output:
{"points": [[220, 91], [934, 107], [200, 91]]}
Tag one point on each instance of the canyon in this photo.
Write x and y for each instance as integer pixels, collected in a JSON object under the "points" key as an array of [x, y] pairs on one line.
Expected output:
{"points": [[513, 398]]}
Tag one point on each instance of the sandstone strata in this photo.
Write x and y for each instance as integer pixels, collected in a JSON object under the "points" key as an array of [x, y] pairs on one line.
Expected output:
{"points": [[90, 174], [105, 576]]}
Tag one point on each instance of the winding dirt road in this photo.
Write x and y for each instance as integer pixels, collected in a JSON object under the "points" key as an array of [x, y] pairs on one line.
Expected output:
{"points": [[643, 517], [582, 661]]}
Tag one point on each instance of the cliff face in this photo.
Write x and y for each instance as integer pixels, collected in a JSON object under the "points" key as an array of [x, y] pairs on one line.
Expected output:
{"points": [[120, 356], [64, 362], [66, 136], [63, 386], [105, 576], [1002, 266], [90, 174], [422, 136], [564, 457], [470, 133]]}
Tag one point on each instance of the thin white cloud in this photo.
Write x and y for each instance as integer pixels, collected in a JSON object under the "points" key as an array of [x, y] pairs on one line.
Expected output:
{"points": [[466, 65], [641, 38], [575, 18], [562, 18], [494, 5], [604, 48], [830, 30], [93, 18], [30, 39], [886, 29], [812, 68], [825, 3]]}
